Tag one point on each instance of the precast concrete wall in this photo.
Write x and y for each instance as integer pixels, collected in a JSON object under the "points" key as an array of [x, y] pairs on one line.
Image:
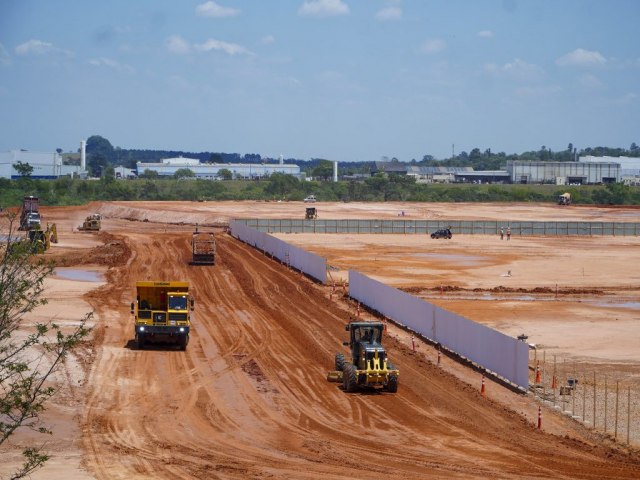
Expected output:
{"points": [[306, 262], [494, 351], [465, 227]]}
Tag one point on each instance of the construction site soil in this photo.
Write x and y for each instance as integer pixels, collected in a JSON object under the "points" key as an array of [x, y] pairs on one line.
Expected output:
{"points": [[249, 398]]}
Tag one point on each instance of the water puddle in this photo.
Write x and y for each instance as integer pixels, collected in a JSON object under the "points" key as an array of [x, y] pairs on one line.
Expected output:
{"points": [[78, 275], [631, 305]]}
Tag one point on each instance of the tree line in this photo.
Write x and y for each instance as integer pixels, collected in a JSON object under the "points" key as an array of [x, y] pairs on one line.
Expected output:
{"points": [[377, 188], [101, 154]]}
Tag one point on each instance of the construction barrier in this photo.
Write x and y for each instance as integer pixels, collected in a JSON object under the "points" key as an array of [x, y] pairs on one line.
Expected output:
{"points": [[494, 351], [306, 262]]}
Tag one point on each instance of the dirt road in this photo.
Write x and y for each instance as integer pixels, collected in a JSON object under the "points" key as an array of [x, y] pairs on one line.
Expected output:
{"points": [[249, 397]]}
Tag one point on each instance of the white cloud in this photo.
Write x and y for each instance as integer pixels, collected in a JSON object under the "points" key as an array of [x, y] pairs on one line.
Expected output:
{"points": [[581, 58], [38, 47], [268, 40], [177, 44], [213, 10], [485, 34], [219, 45], [4, 56], [434, 45], [518, 69], [323, 8], [110, 63], [521, 69], [590, 81], [389, 13]]}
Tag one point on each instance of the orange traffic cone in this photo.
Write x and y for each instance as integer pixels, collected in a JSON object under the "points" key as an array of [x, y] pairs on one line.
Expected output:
{"points": [[538, 379], [482, 387], [554, 384]]}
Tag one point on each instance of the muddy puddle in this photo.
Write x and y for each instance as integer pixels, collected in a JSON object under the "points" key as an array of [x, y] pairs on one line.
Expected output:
{"points": [[78, 275]]}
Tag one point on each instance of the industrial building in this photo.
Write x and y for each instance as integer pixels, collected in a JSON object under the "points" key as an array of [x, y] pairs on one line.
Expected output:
{"points": [[629, 167], [563, 173], [169, 166], [46, 165]]}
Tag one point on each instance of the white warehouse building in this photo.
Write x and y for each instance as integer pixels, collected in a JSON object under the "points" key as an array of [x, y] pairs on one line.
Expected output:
{"points": [[563, 173], [46, 165], [169, 166]]}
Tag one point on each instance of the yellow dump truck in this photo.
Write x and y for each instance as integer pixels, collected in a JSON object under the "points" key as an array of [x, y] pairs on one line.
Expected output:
{"points": [[162, 313]]}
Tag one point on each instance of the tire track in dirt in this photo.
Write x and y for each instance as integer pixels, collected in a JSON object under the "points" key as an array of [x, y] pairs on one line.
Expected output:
{"points": [[249, 397]]}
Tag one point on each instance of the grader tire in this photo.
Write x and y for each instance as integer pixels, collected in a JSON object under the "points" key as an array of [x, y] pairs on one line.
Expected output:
{"points": [[339, 362], [350, 378]]}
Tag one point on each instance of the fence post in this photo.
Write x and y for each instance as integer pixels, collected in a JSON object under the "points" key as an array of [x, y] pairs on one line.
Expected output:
{"points": [[628, 414], [584, 396], [606, 395], [615, 435], [594, 399]]}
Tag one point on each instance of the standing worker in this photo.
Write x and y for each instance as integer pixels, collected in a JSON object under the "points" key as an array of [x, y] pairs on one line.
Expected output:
{"points": [[508, 233], [501, 233]]}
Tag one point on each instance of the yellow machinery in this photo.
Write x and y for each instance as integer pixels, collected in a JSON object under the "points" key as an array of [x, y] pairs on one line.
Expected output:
{"points": [[564, 199], [91, 223], [162, 313], [203, 246], [311, 213], [368, 363], [41, 240]]}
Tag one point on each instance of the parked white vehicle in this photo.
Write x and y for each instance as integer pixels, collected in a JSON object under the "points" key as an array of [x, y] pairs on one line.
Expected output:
{"points": [[310, 199]]}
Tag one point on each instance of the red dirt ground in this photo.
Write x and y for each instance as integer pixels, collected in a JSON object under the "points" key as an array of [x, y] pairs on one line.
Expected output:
{"points": [[249, 397]]}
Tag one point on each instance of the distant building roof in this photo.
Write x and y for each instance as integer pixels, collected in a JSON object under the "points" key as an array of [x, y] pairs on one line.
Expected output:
{"points": [[390, 167], [435, 170]]}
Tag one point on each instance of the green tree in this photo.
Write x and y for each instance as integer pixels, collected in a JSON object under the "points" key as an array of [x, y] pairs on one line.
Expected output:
{"points": [[323, 170], [27, 362], [225, 174], [24, 169], [97, 145], [149, 174], [282, 185], [184, 173]]}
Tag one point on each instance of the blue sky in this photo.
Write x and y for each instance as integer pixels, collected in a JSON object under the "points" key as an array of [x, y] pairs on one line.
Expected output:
{"points": [[347, 80]]}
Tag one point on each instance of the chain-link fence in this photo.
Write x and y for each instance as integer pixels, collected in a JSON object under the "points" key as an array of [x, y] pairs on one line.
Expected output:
{"points": [[606, 402], [466, 227]]}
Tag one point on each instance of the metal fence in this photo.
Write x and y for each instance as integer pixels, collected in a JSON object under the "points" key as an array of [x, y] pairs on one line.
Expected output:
{"points": [[466, 227], [601, 401]]}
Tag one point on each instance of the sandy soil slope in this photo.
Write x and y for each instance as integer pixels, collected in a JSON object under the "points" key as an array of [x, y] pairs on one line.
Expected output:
{"points": [[249, 397]]}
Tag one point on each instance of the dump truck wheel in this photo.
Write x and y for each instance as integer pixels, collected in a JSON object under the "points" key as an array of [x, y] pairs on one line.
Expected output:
{"points": [[140, 341], [392, 384], [184, 340], [350, 378], [339, 362]]}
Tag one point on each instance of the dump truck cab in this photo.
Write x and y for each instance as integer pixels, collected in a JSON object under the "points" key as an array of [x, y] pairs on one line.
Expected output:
{"points": [[368, 365], [162, 312], [311, 213]]}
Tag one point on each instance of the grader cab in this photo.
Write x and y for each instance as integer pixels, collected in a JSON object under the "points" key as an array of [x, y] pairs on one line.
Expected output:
{"points": [[368, 363]]}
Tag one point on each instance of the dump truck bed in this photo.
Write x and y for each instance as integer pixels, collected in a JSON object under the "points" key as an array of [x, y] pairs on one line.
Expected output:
{"points": [[204, 249]]}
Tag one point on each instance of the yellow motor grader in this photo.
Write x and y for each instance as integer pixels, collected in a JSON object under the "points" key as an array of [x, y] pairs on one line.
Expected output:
{"points": [[368, 365]]}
